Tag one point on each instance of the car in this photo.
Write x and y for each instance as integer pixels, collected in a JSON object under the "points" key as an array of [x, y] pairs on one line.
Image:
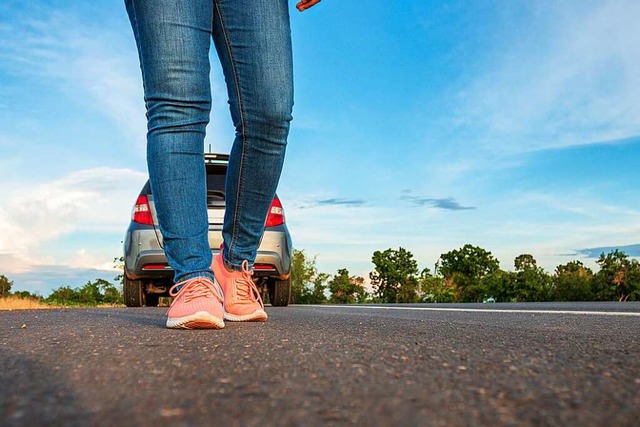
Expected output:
{"points": [[148, 276]]}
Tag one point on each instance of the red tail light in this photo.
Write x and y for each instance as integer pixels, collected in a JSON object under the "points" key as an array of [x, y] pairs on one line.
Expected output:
{"points": [[276, 213], [141, 211], [155, 266]]}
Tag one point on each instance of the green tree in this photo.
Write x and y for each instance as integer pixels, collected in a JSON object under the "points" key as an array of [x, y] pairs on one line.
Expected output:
{"points": [[435, 288], [91, 293], [408, 292], [618, 278], [395, 275], [525, 262], [532, 283], [346, 289], [64, 294], [307, 284], [465, 269], [573, 282], [27, 294], [119, 265], [499, 285], [631, 290], [316, 295], [111, 294], [5, 285], [303, 271]]}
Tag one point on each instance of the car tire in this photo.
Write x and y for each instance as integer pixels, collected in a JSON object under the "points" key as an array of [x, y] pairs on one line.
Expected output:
{"points": [[279, 292], [133, 295]]}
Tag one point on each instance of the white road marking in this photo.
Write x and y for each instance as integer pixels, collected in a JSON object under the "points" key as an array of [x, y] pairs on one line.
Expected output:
{"points": [[487, 310]]}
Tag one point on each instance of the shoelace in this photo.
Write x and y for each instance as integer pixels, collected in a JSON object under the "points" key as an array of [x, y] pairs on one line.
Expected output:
{"points": [[195, 288], [245, 287]]}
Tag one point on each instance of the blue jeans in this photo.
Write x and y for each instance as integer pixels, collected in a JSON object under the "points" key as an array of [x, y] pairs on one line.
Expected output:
{"points": [[253, 42]]}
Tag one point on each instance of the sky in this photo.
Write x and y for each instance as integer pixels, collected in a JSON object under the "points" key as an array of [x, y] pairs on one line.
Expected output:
{"points": [[510, 125]]}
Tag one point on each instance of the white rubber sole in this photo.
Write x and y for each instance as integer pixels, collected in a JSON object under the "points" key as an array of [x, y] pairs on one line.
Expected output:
{"points": [[256, 316], [198, 320]]}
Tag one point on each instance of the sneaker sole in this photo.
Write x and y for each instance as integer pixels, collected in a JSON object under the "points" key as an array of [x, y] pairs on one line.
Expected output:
{"points": [[199, 320], [256, 316]]}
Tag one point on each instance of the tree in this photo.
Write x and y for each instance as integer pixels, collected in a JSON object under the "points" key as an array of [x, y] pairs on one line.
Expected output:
{"points": [[631, 290], [573, 282], [525, 262], [302, 272], [91, 293], [532, 283], [435, 288], [618, 278], [408, 292], [307, 284], [119, 265], [316, 294], [111, 294], [395, 275], [5, 285], [345, 289], [23, 294], [64, 294], [499, 285], [465, 269]]}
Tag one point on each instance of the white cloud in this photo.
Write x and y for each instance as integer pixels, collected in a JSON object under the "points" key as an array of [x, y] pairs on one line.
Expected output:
{"points": [[93, 64], [575, 82], [346, 236], [553, 227], [98, 66], [91, 200], [547, 224]]}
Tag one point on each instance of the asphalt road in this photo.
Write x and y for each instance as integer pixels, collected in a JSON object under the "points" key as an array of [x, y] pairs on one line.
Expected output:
{"points": [[325, 365]]}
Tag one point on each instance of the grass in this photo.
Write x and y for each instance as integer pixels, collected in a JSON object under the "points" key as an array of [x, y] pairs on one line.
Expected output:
{"points": [[13, 302]]}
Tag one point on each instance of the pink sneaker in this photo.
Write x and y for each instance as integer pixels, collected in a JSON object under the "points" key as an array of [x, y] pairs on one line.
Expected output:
{"points": [[197, 305], [242, 302]]}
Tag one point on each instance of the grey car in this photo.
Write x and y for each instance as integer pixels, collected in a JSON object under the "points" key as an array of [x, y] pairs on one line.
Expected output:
{"points": [[147, 276]]}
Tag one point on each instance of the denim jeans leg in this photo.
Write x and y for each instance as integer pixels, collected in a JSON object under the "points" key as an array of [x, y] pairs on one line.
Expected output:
{"points": [[173, 39], [253, 41]]}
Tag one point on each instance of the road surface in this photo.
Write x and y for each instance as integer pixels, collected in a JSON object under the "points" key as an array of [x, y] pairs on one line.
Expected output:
{"points": [[466, 365]]}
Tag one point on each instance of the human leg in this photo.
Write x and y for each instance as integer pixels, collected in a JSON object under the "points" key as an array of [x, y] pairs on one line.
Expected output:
{"points": [[253, 41], [173, 40]]}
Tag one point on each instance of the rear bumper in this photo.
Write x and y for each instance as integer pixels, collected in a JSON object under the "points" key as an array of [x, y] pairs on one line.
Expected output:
{"points": [[145, 259]]}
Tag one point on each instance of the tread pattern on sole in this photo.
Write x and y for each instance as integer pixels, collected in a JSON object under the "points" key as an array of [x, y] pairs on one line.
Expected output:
{"points": [[199, 320], [256, 316], [199, 324]]}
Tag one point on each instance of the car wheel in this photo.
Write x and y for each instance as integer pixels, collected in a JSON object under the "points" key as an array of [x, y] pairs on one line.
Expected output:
{"points": [[133, 295], [280, 292], [151, 300]]}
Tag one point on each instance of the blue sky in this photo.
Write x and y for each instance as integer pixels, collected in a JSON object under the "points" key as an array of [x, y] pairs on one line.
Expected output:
{"points": [[512, 125]]}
